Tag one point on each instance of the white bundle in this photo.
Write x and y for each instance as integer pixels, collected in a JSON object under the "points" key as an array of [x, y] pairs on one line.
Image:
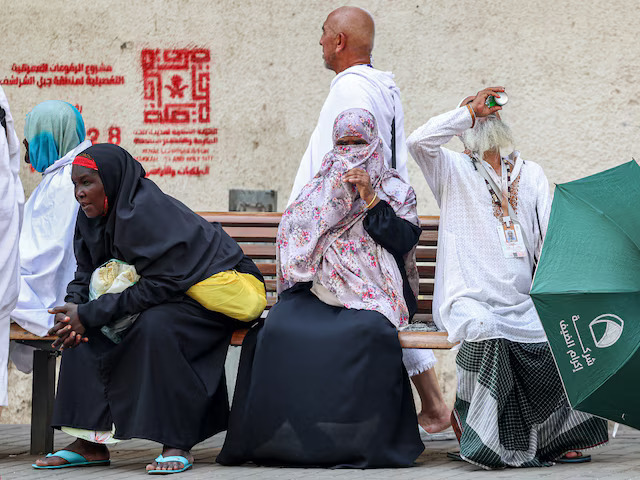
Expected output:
{"points": [[114, 276]]}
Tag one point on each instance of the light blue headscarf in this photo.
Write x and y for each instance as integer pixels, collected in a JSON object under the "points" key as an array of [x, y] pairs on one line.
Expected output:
{"points": [[53, 128]]}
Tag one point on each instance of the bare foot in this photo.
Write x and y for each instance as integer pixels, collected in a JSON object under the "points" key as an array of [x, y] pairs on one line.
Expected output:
{"points": [[435, 420], [93, 452], [435, 415], [169, 452]]}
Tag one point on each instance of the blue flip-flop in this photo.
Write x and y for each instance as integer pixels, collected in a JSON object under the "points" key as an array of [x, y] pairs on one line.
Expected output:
{"points": [[172, 458], [74, 460]]}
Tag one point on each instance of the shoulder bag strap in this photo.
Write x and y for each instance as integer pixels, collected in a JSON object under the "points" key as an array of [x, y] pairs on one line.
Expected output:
{"points": [[3, 122], [393, 142]]}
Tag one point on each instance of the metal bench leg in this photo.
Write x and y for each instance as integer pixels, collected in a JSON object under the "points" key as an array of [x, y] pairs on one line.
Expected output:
{"points": [[42, 396]]}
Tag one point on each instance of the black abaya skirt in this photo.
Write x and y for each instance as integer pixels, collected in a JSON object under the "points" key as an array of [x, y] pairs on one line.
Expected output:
{"points": [[322, 386], [164, 382]]}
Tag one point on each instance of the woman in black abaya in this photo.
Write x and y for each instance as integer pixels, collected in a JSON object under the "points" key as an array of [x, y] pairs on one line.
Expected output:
{"points": [[165, 380], [321, 381]]}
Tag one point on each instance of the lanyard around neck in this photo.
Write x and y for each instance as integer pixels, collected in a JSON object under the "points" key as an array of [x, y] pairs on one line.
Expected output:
{"points": [[507, 211], [506, 193], [505, 190]]}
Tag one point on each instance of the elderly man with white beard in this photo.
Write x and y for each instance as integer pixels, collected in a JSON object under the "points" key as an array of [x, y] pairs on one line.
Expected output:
{"points": [[511, 409]]}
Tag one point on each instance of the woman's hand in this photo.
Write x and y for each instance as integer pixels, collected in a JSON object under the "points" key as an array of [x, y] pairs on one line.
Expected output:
{"points": [[360, 178], [67, 326]]}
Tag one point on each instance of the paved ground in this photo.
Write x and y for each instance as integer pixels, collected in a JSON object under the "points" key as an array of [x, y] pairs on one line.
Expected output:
{"points": [[618, 460]]}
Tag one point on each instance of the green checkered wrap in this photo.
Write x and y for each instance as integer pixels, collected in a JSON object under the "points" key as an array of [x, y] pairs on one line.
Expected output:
{"points": [[511, 408]]}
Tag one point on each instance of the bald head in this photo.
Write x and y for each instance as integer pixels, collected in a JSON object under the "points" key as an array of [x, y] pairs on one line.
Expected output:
{"points": [[357, 25], [347, 38]]}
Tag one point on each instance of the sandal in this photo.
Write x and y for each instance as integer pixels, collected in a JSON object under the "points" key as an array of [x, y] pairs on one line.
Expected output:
{"points": [[580, 458], [73, 460], [173, 458]]}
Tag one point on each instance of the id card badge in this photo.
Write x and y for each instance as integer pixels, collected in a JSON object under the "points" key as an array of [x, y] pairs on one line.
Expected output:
{"points": [[511, 241]]}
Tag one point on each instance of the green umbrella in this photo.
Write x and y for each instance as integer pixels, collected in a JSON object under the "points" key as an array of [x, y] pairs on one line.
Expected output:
{"points": [[587, 292]]}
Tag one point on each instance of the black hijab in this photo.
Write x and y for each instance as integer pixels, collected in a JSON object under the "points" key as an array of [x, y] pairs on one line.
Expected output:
{"points": [[149, 229]]}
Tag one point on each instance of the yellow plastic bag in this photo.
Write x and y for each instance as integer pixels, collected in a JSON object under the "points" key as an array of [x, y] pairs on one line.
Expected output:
{"points": [[237, 295]]}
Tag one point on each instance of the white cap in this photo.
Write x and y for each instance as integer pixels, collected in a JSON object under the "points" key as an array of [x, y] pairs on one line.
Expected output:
{"points": [[502, 99]]}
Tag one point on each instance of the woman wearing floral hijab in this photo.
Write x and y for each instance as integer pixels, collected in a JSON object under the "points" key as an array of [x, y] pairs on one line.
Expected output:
{"points": [[322, 381]]}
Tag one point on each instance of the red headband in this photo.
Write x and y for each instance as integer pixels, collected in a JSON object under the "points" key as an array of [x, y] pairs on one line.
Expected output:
{"points": [[85, 161]]}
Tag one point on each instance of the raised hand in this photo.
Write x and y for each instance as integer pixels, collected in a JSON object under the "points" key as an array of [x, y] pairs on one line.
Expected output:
{"points": [[478, 102], [360, 178]]}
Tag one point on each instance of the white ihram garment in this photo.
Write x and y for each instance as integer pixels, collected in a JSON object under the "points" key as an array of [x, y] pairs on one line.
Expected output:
{"points": [[11, 204], [47, 261], [359, 86], [480, 294]]}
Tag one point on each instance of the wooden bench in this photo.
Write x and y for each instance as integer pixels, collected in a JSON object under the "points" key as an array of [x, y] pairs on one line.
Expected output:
{"points": [[256, 234], [43, 388]]}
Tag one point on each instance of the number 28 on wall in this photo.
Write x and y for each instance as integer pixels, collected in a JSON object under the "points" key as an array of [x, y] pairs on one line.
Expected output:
{"points": [[93, 134]]}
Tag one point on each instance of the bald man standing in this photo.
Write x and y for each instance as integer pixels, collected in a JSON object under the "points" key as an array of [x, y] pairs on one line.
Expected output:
{"points": [[347, 42]]}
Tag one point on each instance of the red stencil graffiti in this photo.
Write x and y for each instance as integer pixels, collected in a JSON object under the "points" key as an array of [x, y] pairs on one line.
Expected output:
{"points": [[176, 85]]}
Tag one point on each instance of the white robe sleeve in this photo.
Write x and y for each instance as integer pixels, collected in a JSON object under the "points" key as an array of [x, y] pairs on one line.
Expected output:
{"points": [[11, 202], [425, 146], [47, 261], [350, 91], [10, 213], [542, 210]]}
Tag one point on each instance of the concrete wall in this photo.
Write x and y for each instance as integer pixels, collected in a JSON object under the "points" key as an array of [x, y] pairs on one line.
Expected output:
{"points": [[571, 70]]}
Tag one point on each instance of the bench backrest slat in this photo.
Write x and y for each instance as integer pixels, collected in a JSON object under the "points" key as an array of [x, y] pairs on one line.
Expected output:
{"points": [[256, 233]]}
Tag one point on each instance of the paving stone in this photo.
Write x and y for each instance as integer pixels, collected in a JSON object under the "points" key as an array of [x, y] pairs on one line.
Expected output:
{"points": [[619, 460]]}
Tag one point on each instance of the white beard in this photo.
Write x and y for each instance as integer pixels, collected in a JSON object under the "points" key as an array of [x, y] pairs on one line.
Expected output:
{"points": [[489, 134]]}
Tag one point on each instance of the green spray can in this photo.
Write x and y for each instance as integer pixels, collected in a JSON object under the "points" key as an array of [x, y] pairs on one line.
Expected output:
{"points": [[493, 101]]}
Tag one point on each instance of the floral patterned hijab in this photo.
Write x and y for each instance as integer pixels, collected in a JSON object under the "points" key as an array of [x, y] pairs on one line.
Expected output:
{"points": [[322, 238]]}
